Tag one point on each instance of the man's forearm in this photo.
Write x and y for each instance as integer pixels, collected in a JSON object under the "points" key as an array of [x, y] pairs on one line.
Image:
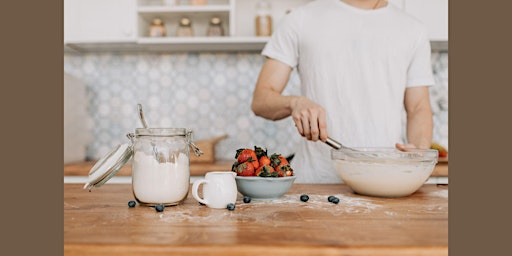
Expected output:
{"points": [[272, 105], [419, 128], [267, 101]]}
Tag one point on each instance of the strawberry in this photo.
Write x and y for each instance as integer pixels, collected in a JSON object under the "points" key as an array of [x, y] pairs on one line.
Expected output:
{"points": [[277, 160], [260, 152], [280, 172], [264, 160], [284, 170], [245, 169], [275, 174], [247, 155], [233, 167], [264, 171]]}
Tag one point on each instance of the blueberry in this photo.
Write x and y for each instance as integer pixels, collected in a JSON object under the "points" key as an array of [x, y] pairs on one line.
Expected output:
{"points": [[335, 200], [330, 198], [230, 207], [159, 207], [131, 204], [304, 198], [247, 199]]}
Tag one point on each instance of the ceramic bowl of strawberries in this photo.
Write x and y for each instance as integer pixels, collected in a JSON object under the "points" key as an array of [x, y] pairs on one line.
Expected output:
{"points": [[260, 175]]}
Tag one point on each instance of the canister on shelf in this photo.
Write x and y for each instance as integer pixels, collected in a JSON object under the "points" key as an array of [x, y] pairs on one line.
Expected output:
{"points": [[185, 28], [215, 27], [263, 19], [198, 2], [157, 28], [169, 2]]}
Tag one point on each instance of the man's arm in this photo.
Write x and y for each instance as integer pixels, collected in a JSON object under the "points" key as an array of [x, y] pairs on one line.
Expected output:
{"points": [[268, 102], [419, 118]]}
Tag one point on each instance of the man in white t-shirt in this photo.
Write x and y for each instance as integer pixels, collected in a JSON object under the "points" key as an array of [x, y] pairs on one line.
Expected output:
{"points": [[361, 64]]}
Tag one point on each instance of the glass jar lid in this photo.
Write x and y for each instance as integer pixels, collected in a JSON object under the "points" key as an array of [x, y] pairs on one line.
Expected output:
{"points": [[185, 22], [108, 166], [157, 22], [163, 132], [215, 21]]}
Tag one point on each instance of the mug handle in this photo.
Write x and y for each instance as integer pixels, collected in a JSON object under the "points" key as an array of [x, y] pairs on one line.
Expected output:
{"points": [[195, 187]]}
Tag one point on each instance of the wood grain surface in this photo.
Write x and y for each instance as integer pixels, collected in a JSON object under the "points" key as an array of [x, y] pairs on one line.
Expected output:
{"points": [[101, 223]]}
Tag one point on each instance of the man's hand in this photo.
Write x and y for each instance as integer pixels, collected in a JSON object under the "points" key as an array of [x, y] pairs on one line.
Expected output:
{"points": [[309, 118], [268, 102]]}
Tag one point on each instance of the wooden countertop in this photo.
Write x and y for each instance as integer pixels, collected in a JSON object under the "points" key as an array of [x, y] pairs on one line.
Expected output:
{"points": [[200, 169], [101, 223]]}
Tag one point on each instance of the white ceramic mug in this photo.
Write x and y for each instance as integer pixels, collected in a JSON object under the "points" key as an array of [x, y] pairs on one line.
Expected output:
{"points": [[219, 189]]}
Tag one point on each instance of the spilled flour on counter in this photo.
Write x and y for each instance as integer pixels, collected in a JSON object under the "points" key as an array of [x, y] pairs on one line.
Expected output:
{"points": [[277, 212], [347, 204], [213, 216], [440, 193], [285, 206]]}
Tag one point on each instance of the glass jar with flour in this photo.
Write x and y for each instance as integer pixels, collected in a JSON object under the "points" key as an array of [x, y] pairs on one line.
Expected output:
{"points": [[160, 165]]}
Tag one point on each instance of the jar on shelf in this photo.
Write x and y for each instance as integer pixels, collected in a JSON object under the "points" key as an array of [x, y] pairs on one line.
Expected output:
{"points": [[215, 27], [198, 2], [185, 28], [263, 18], [157, 28], [169, 2]]}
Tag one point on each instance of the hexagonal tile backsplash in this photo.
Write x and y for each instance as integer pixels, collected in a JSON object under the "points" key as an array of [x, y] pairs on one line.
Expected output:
{"points": [[209, 93]]}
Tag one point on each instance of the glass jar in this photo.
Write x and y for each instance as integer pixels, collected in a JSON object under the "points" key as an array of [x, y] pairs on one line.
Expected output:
{"points": [[215, 28], [169, 2], [198, 2], [263, 19], [157, 28], [161, 165], [185, 28]]}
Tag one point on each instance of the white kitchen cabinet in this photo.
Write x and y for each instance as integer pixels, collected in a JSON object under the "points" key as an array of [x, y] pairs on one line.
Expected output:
{"points": [[123, 25], [99, 21], [433, 13], [238, 17], [246, 13], [199, 15]]}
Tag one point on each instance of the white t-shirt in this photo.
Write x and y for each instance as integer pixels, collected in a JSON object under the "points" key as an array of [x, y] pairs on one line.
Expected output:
{"points": [[356, 64]]}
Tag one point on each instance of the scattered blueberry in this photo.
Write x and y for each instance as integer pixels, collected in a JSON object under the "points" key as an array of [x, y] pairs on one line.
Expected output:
{"points": [[247, 199], [330, 198], [335, 200], [131, 204], [159, 207], [304, 198], [230, 207]]}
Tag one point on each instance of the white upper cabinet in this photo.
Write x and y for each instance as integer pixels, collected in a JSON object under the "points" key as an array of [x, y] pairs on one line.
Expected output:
{"points": [[123, 25], [433, 13], [100, 21]]}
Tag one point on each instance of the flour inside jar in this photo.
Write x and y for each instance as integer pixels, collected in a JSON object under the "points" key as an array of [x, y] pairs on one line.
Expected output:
{"points": [[160, 183]]}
